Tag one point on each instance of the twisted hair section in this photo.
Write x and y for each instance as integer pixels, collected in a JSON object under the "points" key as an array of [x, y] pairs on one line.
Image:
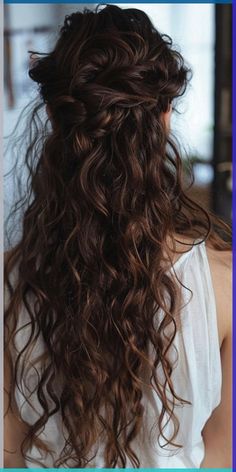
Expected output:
{"points": [[106, 205]]}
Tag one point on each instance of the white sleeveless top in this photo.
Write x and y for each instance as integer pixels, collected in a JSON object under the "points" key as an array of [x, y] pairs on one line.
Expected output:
{"points": [[197, 377]]}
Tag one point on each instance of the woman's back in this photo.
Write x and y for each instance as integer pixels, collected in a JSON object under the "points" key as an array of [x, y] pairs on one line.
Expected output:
{"points": [[197, 377]]}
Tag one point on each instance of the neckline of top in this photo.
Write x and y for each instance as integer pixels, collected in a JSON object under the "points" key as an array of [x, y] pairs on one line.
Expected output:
{"points": [[182, 258]]}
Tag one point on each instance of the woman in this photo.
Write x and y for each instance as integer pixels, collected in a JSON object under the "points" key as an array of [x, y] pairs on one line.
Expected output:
{"points": [[118, 324]]}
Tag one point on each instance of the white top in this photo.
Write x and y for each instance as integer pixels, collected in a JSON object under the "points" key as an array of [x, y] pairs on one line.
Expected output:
{"points": [[197, 377]]}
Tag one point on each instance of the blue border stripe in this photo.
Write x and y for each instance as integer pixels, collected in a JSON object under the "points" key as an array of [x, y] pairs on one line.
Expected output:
{"points": [[120, 1], [234, 223]]}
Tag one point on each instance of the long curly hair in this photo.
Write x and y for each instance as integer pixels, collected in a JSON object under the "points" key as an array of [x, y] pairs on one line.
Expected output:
{"points": [[105, 209]]}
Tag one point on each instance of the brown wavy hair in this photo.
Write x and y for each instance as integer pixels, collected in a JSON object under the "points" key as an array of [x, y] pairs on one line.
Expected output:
{"points": [[106, 206]]}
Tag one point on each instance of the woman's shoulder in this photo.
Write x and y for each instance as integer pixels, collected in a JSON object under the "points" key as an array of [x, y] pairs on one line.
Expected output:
{"points": [[220, 260]]}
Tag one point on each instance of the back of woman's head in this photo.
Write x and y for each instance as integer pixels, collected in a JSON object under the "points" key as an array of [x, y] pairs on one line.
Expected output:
{"points": [[107, 84], [107, 200]]}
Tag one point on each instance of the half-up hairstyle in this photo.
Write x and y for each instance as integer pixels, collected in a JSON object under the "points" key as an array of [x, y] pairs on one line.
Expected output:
{"points": [[106, 207]]}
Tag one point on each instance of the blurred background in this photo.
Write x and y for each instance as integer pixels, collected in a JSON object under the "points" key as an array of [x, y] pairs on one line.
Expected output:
{"points": [[202, 33]]}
